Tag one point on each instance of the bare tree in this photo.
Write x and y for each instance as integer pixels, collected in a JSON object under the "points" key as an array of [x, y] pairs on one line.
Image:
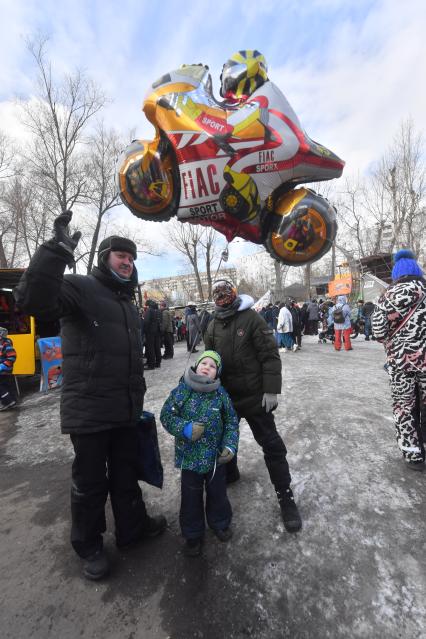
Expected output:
{"points": [[391, 199], [185, 238], [57, 119], [351, 214], [333, 261], [249, 286], [402, 175], [104, 147], [199, 246], [257, 282], [28, 217], [7, 153], [307, 278], [210, 241], [281, 272], [8, 231]]}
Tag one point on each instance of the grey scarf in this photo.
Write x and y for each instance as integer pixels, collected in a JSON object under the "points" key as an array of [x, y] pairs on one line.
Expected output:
{"points": [[200, 383], [226, 312]]}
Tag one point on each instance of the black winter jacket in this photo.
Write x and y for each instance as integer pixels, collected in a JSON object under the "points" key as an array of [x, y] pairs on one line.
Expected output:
{"points": [[152, 320], [101, 341], [251, 365], [295, 315], [166, 321]]}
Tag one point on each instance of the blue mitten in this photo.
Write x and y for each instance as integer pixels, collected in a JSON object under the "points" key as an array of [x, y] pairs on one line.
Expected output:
{"points": [[193, 430]]}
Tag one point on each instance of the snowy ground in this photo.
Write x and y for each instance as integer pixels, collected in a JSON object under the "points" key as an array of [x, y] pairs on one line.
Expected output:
{"points": [[356, 570]]}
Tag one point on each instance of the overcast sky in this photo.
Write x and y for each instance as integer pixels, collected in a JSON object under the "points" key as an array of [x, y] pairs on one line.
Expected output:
{"points": [[352, 70]]}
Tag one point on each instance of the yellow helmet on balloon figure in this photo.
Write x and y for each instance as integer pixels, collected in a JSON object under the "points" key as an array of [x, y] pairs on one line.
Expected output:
{"points": [[242, 74]]}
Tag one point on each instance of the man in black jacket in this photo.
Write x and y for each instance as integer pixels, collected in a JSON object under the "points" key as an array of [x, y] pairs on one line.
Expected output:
{"points": [[103, 389], [152, 330], [367, 311], [297, 329], [251, 374], [167, 331]]}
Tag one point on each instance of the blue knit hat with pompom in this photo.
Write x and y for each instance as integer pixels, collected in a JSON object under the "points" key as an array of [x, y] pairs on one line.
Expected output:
{"points": [[405, 264]]}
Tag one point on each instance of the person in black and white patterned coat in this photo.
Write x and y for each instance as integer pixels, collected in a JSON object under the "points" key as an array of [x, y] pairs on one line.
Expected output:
{"points": [[399, 321]]}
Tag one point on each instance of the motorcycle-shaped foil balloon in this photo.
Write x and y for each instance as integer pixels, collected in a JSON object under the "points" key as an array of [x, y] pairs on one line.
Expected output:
{"points": [[231, 165]]}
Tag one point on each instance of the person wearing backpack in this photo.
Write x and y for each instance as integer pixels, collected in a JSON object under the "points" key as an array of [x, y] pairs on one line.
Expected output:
{"points": [[341, 314]]}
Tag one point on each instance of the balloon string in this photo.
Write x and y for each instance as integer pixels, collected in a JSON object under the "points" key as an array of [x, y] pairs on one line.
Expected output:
{"points": [[224, 253]]}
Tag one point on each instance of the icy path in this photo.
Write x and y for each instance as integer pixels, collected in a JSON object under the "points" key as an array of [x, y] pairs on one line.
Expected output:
{"points": [[357, 569]]}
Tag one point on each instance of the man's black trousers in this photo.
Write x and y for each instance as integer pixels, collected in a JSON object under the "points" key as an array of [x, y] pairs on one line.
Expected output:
{"points": [[297, 336], [313, 327], [263, 427], [105, 463], [168, 345], [153, 349]]}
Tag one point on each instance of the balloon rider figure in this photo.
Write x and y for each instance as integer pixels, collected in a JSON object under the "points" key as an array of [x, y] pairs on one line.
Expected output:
{"points": [[244, 73], [7, 360]]}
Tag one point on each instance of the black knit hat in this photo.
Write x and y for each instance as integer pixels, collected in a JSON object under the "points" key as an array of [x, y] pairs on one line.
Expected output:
{"points": [[115, 243]]}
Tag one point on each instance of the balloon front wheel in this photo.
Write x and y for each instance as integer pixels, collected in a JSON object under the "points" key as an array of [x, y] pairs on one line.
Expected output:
{"points": [[147, 180]]}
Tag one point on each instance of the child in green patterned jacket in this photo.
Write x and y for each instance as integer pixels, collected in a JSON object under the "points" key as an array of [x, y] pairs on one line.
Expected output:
{"points": [[200, 415]]}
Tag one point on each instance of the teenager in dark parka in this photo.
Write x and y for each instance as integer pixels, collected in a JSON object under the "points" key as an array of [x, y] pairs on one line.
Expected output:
{"points": [[251, 374], [103, 389], [152, 328]]}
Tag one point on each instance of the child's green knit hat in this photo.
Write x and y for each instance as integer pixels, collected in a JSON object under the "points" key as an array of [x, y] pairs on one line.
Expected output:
{"points": [[214, 356]]}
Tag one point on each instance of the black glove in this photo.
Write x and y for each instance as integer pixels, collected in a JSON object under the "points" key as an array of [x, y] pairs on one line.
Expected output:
{"points": [[62, 235]]}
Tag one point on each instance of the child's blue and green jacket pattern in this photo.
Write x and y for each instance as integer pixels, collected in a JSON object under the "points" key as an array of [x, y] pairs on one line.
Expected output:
{"points": [[214, 409]]}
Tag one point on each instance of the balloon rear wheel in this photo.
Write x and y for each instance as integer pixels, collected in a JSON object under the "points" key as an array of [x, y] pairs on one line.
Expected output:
{"points": [[303, 231]]}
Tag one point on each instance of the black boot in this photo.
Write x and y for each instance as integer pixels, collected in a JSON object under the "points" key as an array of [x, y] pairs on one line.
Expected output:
{"points": [[223, 535], [153, 527], [289, 512], [192, 547], [96, 566]]}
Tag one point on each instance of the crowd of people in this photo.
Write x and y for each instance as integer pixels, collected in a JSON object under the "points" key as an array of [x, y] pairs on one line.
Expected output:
{"points": [[104, 340], [161, 327], [331, 319]]}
